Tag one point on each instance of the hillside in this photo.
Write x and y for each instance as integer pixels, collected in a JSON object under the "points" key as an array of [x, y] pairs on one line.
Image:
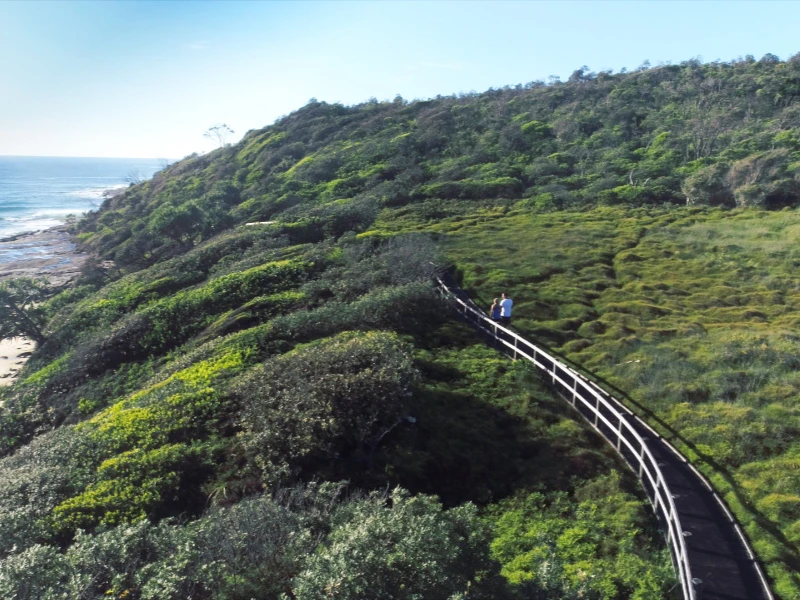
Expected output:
{"points": [[230, 381], [232, 406], [690, 314], [720, 134]]}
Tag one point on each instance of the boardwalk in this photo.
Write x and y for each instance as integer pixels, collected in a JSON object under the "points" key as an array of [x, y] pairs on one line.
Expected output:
{"points": [[710, 553]]}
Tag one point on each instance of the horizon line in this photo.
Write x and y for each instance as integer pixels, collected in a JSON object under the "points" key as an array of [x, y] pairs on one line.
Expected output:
{"points": [[94, 157]]}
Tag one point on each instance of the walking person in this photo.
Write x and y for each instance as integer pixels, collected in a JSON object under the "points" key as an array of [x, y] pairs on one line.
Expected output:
{"points": [[494, 311], [505, 310]]}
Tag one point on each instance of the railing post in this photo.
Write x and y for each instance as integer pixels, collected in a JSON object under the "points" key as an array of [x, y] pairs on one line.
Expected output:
{"points": [[574, 391], [697, 584], [515, 348], [641, 461], [619, 433], [596, 410]]}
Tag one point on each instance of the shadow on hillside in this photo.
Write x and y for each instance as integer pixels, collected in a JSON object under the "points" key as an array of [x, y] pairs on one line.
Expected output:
{"points": [[466, 447]]}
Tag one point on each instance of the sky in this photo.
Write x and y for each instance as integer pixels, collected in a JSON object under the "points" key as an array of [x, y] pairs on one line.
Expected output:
{"points": [[148, 78]]}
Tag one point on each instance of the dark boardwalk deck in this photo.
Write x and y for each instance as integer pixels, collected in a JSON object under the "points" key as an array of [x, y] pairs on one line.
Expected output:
{"points": [[718, 560], [717, 554]]}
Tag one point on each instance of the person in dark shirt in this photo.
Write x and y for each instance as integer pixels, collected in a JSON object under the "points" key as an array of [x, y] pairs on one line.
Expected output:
{"points": [[494, 311]]}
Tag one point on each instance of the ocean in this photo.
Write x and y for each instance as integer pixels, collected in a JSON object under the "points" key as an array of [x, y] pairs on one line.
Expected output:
{"points": [[39, 192]]}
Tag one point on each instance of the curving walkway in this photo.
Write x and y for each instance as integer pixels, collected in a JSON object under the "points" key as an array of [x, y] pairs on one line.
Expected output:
{"points": [[709, 550]]}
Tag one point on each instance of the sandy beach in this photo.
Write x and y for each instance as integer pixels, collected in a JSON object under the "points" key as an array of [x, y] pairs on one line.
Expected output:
{"points": [[13, 354], [48, 254]]}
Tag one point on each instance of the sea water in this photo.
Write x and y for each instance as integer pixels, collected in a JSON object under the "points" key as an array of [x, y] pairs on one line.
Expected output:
{"points": [[39, 192]]}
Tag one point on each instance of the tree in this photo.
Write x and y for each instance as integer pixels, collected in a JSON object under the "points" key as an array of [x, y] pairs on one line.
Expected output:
{"points": [[219, 134], [20, 312], [135, 177], [332, 397], [180, 223], [405, 549]]}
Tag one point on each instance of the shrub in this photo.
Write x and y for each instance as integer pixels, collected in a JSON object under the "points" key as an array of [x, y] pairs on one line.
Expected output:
{"points": [[154, 447], [408, 308], [362, 265], [334, 396], [409, 549], [264, 547], [39, 476], [545, 202], [499, 187], [707, 186], [764, 180], [180, 223], [551, 547], [173, 320], [37, 573], [131, 486]]}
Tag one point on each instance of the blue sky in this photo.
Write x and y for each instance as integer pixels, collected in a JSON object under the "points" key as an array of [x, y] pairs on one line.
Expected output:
{"points": [[146, 79]]}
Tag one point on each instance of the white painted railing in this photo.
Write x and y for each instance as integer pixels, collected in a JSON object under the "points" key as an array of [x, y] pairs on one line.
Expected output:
{"points": [[609, 417]]}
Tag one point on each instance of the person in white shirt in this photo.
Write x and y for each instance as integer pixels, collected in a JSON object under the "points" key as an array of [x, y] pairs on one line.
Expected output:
{"points": [[505, 310]]}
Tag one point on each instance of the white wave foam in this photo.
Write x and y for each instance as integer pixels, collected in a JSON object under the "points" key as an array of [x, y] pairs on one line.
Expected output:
{"points": [[97, 193], [10, 227], [58, 214], [36, 221]]}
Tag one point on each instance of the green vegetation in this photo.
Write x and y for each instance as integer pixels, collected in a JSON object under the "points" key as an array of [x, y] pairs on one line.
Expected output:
{"points": [[689, 313], [720, 133], [554, 548], [217, 406], [173, 409], [324, 400], [19, 314]]}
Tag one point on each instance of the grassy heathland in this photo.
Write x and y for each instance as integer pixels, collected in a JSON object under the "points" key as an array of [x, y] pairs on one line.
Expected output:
{"points": [[691, 314]]}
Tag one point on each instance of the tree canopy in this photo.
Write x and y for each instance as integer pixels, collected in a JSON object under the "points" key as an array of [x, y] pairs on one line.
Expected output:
{"points": [[20, 313]]}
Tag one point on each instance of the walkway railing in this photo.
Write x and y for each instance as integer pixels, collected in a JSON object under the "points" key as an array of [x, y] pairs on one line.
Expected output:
{"points": [[609, 417]]}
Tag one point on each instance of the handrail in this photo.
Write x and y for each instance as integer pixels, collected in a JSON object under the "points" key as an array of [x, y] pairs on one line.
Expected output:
{"points": [[705, 481], [571, 381]]}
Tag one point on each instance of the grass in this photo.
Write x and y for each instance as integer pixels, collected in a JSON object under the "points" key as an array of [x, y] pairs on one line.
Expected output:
{"points": [[692, 313]]}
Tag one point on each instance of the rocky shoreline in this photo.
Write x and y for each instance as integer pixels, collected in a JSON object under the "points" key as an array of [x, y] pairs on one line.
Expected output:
{"points": [[49, 254]]}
